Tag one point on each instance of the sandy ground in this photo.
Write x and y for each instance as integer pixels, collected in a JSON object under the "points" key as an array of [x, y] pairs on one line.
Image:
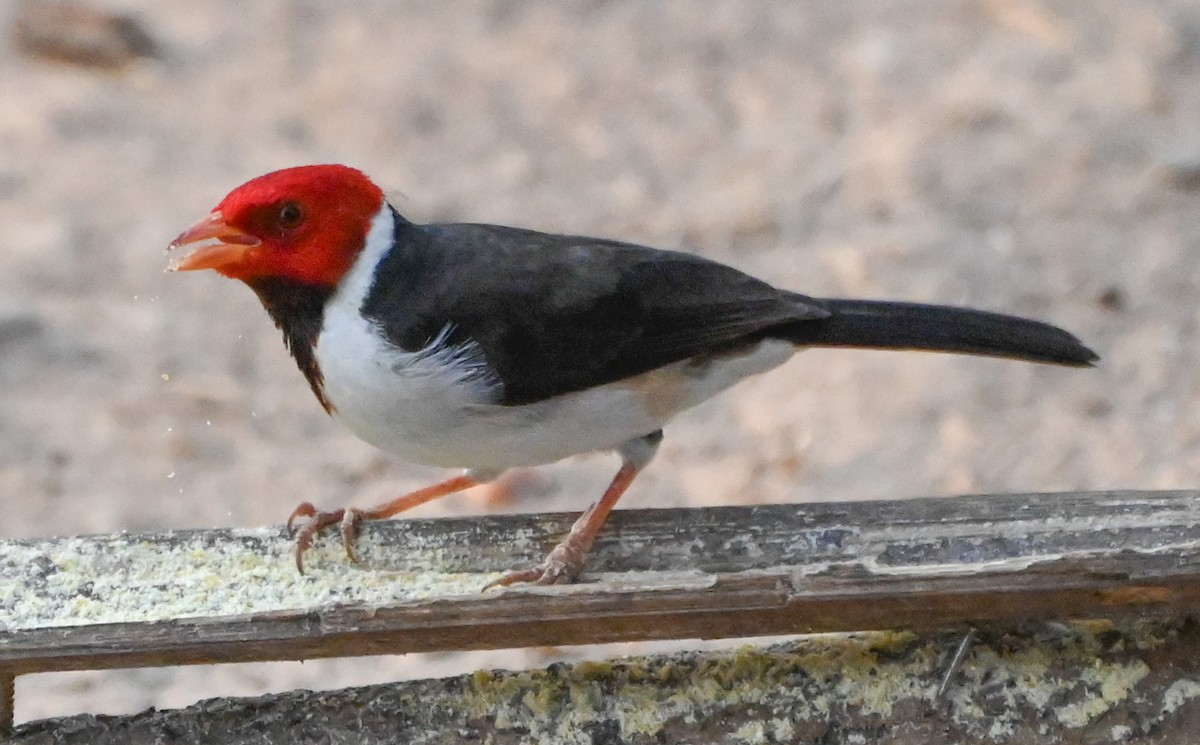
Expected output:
{"points": [[1038, 157]]}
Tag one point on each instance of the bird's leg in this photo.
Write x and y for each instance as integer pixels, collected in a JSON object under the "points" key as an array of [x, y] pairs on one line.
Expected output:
{"points": [[350, 517], [566, 560]]}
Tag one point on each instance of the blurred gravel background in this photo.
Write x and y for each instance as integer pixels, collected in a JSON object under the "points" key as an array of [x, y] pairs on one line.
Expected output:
{"points": [[1040, 157]]}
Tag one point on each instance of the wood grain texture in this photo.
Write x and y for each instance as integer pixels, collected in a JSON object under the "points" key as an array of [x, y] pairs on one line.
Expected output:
{"points": [[656, 574], [1090, 683], [8, 695]]}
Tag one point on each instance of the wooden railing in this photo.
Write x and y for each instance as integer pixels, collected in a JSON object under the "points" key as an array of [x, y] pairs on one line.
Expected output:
{"points": [[193, 597]]}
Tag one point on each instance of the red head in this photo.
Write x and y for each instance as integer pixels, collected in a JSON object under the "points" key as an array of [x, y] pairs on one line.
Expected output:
{"points": [[304, 224]]}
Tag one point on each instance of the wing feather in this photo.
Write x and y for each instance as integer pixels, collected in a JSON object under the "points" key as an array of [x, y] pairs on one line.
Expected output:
{"points": [[553, 314]]}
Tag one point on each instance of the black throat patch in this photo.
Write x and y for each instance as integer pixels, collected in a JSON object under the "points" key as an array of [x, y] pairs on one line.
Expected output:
{"points": [[298, 311]]}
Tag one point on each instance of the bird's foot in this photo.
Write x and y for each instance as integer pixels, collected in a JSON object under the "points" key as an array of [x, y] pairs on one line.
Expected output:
{"points": [[560, 567], [315, 521]]}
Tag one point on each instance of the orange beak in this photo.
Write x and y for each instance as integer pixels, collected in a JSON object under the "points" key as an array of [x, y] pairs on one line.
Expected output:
{"points": [[220, 245]]}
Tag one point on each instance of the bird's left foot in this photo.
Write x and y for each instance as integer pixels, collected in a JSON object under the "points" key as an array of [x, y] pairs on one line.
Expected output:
{"points": [[317, 520], [314, 520], [560, 567]]}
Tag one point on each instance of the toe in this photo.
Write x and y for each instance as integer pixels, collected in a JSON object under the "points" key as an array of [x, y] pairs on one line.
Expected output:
{"points": [[513, 578], [303, 533], [303, 510], [554, 572], [349, 528]]}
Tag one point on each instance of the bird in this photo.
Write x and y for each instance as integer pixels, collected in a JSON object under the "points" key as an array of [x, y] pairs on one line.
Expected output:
{"points": [[485, 348]]}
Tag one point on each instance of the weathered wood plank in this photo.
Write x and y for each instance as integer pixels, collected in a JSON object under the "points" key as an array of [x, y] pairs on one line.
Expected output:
{"points": [[8, 695], [218, 596], [1090, 683]]}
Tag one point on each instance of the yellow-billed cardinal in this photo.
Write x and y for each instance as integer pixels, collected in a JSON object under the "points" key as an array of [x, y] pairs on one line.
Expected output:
{"points": [[485, 347]]}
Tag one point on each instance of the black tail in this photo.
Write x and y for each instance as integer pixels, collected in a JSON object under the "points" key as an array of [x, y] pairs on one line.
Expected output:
{"points": [[937, 328]]}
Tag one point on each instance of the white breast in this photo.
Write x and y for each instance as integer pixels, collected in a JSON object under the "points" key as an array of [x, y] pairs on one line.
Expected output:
{"points": [[432, 406]]}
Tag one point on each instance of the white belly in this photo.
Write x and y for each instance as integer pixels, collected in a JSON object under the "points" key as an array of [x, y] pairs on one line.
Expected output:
{"points": [[428, 407]]}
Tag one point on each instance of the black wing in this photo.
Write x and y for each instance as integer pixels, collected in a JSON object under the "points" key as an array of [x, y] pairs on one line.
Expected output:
{"points": [[553, 314]]}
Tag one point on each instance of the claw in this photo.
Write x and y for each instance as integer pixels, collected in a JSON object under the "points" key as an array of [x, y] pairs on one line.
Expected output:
{"points": [[304, 509], [317, 519], [560, 567], [523, 575], [349, 527]]}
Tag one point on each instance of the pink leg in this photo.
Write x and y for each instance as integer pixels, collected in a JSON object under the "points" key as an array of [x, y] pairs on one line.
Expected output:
{"points": [[566, 560]]}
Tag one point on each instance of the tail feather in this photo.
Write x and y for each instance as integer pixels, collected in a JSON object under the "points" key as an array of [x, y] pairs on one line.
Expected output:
{"points": [[938, 328]]}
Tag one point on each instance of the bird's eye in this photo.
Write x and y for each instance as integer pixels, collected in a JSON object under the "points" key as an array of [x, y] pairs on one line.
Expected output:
{"points": [[290, 215]]}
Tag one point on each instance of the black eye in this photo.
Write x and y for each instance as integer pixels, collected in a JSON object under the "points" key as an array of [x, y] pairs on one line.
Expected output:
{"points": [[290, 215]]}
